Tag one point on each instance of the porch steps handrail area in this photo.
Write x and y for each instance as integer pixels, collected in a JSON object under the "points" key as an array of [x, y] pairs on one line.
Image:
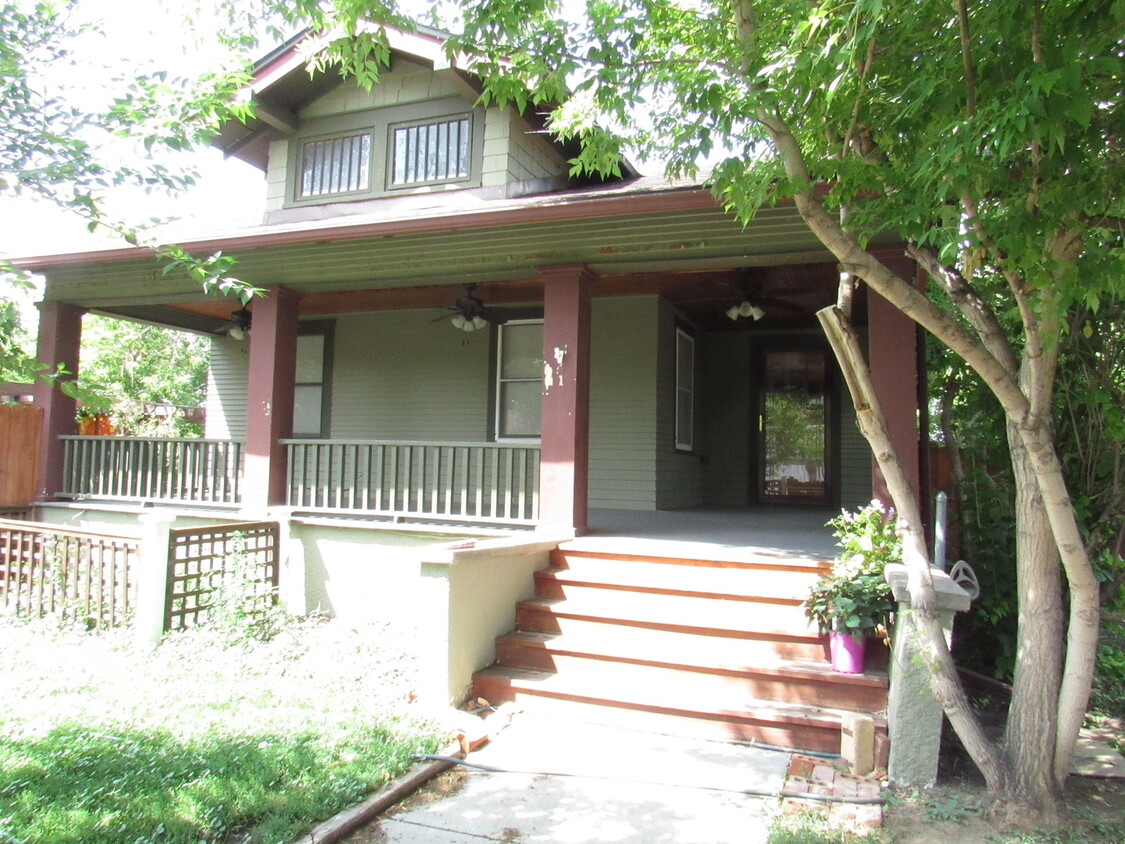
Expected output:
{"points": [[456, 481], [180, 469]]}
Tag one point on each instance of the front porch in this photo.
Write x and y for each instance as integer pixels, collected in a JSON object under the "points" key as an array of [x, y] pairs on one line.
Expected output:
{"points": [[466, 484]]}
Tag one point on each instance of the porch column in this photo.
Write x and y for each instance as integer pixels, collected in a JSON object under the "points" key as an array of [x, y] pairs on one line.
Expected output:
{"points": [[892, 347], [60, 334], [269, 397], [565, 420]]}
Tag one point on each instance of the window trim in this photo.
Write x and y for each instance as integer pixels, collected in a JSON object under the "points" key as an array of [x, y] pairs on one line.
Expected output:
{"points": [[325, 328], [380, 123], [497, 381], [683, 393]]}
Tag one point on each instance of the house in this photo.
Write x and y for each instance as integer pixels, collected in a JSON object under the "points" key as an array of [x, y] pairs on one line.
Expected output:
{"points": [[456, 331]]}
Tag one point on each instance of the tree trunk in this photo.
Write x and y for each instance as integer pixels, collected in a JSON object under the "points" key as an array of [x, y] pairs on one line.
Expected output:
{"points": [[923, 617], [1031, 797]]}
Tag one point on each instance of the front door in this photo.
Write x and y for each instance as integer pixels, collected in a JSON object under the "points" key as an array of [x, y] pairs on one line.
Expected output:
{"points": [[793, 458]]}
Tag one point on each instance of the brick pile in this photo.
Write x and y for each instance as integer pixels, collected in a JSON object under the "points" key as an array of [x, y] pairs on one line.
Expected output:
{"points": [[808, 775]]}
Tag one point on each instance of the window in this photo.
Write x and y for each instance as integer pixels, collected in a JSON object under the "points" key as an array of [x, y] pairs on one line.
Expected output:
{"points": [[310, 391], [685, 391], [519, 375], [430, 152], [380, 151], [335, 166]]}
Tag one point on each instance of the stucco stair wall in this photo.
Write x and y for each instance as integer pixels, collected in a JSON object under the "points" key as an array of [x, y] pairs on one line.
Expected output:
{"points": [[715, 648]]}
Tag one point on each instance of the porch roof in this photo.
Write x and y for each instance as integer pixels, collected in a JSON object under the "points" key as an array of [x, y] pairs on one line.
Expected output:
{"points": [[644, 226]]}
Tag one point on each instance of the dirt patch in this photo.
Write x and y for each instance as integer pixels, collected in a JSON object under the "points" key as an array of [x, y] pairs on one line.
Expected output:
{"points": [[1094, 813]]}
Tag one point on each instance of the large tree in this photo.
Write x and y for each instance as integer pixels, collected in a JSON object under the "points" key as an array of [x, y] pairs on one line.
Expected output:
{"points": [[987, 136]]}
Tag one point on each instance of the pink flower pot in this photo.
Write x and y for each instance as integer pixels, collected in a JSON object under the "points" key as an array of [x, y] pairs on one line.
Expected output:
{"points": [[846, 653]]}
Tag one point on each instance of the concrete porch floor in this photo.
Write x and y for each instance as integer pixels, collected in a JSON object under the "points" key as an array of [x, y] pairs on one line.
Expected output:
{"points": [[725, 534]]}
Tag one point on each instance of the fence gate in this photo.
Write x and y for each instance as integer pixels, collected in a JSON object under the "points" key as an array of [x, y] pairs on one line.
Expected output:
{"points": [[203, 559]]}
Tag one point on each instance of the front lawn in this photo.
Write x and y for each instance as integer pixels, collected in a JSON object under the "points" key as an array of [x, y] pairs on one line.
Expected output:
{"points": [[202, 739]]}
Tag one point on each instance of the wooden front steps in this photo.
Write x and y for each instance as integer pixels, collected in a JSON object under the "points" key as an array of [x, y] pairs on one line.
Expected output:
{"points": [[713, 648]]}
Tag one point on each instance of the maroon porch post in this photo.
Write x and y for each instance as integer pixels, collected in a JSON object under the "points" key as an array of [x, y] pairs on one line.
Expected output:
{"points": [[893, 349], [269, 397], [60, 333], [565, 421]]}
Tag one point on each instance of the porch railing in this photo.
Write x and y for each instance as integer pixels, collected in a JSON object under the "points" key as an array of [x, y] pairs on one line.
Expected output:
{"points": [[158, 469], [473, 482]]}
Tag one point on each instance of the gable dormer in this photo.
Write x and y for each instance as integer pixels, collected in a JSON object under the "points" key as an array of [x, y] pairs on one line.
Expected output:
{"points": [[331, 148]]}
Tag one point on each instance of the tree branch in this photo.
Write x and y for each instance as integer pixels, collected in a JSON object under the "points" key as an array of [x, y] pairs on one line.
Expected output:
{"points": [[967, 59]]}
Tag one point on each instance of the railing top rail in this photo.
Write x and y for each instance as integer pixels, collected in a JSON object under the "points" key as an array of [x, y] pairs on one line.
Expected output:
{"points": [[233, 527], [61, 530], [427, 443], [115, 438]]}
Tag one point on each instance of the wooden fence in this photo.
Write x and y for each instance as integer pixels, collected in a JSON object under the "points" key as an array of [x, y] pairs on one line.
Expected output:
{"points": [[242, 556], [85, 577], [182, 469], [471, 482], [19, 454]]}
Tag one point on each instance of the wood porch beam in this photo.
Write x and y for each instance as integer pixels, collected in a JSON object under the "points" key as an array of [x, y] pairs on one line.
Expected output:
{"points": [[893, 351], [565, 419], [269, 397], [60, 335]]}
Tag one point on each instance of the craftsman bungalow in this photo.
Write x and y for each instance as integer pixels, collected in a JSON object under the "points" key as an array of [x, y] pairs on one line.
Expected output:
{"points": [[456, 331]]}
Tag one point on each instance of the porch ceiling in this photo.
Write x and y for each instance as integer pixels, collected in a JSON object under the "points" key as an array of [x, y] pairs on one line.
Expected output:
{"points": [[668, 243]]}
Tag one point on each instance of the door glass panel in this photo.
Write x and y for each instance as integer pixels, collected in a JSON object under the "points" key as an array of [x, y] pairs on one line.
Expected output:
{"points": [[794, 457]]}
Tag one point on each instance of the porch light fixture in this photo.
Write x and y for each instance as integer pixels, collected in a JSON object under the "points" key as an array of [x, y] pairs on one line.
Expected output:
{"points": [[745, 308], [240, 324], [466, 323]]}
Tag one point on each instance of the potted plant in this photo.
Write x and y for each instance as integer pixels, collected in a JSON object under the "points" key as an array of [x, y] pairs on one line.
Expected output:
{"points": [[853, 602]]}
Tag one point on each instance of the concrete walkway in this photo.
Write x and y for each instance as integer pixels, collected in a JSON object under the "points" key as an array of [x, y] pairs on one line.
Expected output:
{"points": [[569, 782]]}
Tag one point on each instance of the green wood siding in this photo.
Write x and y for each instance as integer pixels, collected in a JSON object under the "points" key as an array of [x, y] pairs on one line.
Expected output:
{"points": [[400, 375], [226, 389], [623, 389]]}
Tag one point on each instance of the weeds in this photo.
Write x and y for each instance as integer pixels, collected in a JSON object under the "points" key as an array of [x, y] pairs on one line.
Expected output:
{"points": [[811, 828]]}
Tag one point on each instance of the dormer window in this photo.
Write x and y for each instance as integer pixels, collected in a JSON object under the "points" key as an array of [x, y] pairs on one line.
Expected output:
{"points": [[335, 166], [436, 144], [430, 152]]}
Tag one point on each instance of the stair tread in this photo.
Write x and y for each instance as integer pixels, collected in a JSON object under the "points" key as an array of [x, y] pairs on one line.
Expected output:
{"points": [[671, 699], [746, 558], [689, 656], [734, 618], [735, 584]]}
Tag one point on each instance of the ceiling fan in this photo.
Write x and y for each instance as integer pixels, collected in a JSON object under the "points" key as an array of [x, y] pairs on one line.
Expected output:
{"points": [[470, 312], [238, 327], [752, 299]]}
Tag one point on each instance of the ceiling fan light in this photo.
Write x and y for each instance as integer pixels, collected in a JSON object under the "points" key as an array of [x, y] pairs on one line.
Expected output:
{"points": [[756, 312], [237, 332], [732, 312], [479, 322], [468, 326], [746, 309], [459, 322]]}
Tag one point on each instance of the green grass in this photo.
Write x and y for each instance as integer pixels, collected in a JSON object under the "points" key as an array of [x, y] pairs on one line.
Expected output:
{"points": [[201, 739]]}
